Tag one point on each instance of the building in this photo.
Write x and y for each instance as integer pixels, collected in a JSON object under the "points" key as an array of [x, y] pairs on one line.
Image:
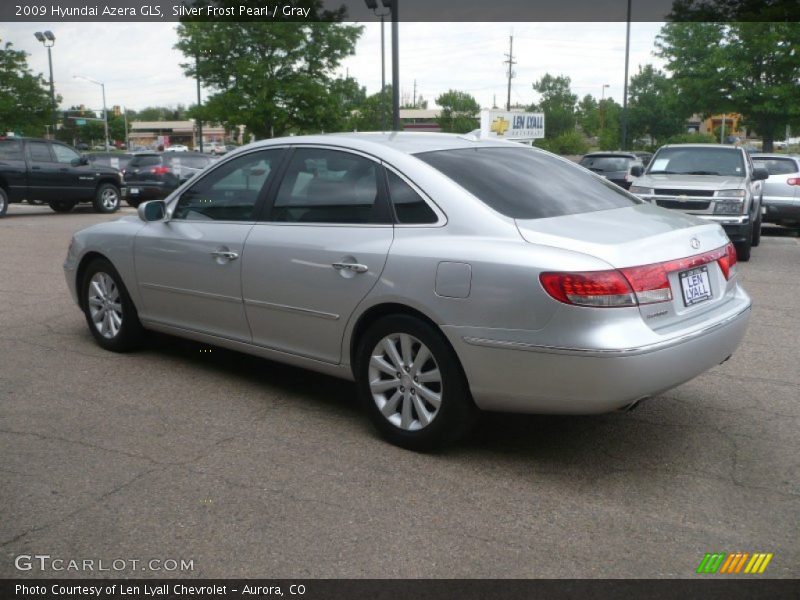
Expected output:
{"points": [[151, 134]]}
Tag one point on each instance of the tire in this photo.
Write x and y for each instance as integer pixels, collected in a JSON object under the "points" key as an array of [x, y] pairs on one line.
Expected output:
{"points": [[62, 206], [3, 202], [743, 248], [108, 308], [107, 198], [757, 230], [402, 408]]}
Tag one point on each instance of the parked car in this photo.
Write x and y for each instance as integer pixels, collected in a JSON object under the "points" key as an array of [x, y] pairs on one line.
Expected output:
{"points": [[614, 166], [442, 273], [49, 171], [115, 160], [153, 175], [215, 148], [177, 148], [645, 157], [781, 189], [717, 183]]}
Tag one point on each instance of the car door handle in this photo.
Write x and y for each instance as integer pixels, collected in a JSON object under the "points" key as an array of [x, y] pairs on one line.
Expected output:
{"points": [[225, 254], [355, 267]]}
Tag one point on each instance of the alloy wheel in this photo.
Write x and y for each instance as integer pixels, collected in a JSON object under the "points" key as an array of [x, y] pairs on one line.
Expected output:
{"points": [[405, 381], [109, 198], [105, 306]]}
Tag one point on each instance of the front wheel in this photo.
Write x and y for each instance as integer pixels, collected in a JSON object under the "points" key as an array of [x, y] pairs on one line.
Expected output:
{"points": [[3, 202], [757, 230], [62, 206], [411, 384], [107, 198], [108, 308]]}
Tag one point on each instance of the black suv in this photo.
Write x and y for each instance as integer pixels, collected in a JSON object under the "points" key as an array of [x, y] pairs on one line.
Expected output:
{"points": [[52, 172], [153, 175]]}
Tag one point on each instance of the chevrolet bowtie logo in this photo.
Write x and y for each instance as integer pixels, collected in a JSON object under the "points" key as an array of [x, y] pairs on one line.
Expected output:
{"points": [[500, 125]]}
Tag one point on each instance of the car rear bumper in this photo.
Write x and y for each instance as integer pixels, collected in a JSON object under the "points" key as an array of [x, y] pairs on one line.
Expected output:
{"points": [[526, 378], [145, 191]]}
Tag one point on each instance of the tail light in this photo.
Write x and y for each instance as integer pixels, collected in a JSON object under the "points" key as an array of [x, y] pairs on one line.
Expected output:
{"points": [[160, 170], [631, 286], [793, 181]]}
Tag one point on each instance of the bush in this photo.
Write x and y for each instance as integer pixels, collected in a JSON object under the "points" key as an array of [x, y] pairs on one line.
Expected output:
{"points": [[570, 142], [690, 138]]}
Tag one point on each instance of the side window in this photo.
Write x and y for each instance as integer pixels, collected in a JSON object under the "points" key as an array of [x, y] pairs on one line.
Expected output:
{"points": [[230, 192], [408, 204], [328, 186], [10, 150], [39, 152], [64, 154]]}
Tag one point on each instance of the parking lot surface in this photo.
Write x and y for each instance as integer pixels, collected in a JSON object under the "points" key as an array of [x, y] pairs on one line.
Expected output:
{"points": [[249, 468]]}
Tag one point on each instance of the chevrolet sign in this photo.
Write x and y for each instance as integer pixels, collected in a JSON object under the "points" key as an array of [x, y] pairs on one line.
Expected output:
{"points": [[512, 125]]}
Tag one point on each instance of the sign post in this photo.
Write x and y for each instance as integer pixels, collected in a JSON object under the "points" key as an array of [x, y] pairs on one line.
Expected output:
{"points": [[511, 125]]}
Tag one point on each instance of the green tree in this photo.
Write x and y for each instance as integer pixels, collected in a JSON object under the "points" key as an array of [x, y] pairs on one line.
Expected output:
{"points": [[557, 103], [459, 112], [747, 67], [610, 120], [160, 113], [273, 77], [588, 115], [25, 105], [653, 106], [373, 113]]}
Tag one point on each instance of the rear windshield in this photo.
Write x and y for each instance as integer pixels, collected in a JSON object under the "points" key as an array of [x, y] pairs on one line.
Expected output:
{"points": [[524, 183], [776, 166], [149, 160], [10, 150], [606, 164], [698, 161]]}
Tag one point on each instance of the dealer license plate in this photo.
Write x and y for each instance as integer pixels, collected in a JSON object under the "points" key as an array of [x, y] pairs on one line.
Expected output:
{"points": [[133, 191], [695, 286]]}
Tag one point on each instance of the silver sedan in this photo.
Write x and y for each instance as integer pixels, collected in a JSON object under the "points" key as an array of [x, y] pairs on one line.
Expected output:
{"points": [[444, 274]]}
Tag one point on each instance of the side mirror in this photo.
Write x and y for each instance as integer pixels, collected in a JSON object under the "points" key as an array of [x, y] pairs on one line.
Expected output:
{"points": [[155, 210], [80, 161], [637, 170], [760, 173]]}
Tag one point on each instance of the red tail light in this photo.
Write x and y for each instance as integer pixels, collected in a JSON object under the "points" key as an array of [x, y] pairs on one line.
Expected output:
{"points": [[160, 170], [793, 181], [631, 286]]}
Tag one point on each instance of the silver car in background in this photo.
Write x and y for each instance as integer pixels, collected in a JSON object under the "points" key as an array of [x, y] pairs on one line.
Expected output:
{"points": [[444, 274], [781, 189]]}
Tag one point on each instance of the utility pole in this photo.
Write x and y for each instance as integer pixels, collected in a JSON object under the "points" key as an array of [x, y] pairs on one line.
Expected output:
{"points": [[511, 62], [395, 65], [722, 130], [415, 94], [625, 90], [127, 140], [200, 120]]}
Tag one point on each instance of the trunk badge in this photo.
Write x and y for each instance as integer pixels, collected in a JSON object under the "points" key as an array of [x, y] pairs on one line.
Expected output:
{"points": [[695, 243]]}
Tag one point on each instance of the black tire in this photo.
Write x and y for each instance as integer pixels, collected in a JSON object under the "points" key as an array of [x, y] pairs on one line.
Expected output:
{"points": [[3, 202], [757, 230], [456, 413], [129, 334], [107, 198], [743, 248], [62, 206]]}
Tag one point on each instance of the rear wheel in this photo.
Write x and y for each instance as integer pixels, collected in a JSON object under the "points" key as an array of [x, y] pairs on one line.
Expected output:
{"points": [[757, 230], [743, 248], [108, 308], [107, 198], [62, 206], [411, 384], [3, 202]]}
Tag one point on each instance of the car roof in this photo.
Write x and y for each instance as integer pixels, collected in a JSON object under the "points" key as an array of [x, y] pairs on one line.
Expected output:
{"points": [[405, 142], [723, 146], [612, 153]]}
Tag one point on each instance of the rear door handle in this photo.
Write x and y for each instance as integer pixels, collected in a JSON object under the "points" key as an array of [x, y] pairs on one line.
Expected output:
{"points": [[355, 267], [225, 254]]}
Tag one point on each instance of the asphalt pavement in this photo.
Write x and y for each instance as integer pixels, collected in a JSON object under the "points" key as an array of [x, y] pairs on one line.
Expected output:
{"points": [[242, 467]]}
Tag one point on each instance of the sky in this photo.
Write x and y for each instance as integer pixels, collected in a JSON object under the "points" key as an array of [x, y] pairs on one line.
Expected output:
{"points": [[140, 68]]}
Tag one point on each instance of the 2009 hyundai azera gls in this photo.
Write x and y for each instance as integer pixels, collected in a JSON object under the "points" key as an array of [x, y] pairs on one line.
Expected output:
{"points": [[442, 273]]}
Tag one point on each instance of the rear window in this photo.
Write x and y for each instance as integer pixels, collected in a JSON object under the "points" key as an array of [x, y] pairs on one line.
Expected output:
{"points": [[606, 164], [776, 166], [698, 161], [10, 150], [150, 160], [524, 183]]}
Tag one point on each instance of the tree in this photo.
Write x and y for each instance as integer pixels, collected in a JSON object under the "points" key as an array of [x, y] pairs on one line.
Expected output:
{"points": [[459, 112], [557, 104], [274, 77], [588, 115], [747, 67], [161, 113], [373, 113], [25, 104], [653, 106]]}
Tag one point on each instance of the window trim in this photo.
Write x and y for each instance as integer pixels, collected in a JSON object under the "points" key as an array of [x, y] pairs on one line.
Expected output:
{"points": [[441, 217], [265, 217], [260, 200]]}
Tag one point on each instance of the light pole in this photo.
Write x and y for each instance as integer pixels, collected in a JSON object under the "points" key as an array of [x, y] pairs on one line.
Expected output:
{"points": [[603, 108], [373, 6], [200, 120], [395, 63], [48, 39], [625, 91], [105, 112]]}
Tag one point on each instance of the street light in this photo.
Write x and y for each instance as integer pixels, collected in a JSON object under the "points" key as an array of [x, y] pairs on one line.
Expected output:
{"points": [[48, 39], [624, 127], [603, 108], [105, 112], [373, 6]]}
